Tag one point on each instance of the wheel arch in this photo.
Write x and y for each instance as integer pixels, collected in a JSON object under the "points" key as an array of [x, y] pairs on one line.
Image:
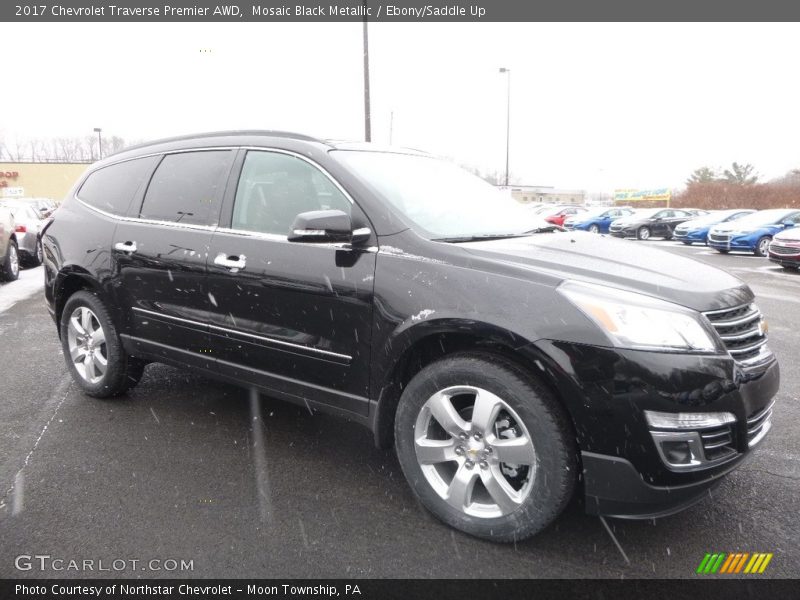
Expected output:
{"points": [[70, 281], [434, 340]]}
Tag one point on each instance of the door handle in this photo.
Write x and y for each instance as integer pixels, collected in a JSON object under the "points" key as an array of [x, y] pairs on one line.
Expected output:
{"points": [[129, 247], [232, 263]]}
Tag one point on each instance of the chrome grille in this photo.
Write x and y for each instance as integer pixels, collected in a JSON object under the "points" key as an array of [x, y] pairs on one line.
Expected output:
{"points": [[741, 330], [758, 424], [781, 250], [717, 442]]}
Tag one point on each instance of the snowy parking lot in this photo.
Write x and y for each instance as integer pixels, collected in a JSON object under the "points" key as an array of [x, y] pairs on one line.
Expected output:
{"points": [[181, 469]]}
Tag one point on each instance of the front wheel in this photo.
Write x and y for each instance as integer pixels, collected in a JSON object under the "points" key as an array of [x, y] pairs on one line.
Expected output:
{"points": [[643, 233], [93, 350], [594, 229], [762, 246], [485, 447]]}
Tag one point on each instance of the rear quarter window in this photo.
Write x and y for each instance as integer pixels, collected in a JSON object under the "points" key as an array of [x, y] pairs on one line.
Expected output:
{"points": [[112, 188], [187, 187]]}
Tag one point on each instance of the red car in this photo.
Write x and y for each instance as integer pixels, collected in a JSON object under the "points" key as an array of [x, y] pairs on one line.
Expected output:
{"points": [[785, 248], [558, 213]]}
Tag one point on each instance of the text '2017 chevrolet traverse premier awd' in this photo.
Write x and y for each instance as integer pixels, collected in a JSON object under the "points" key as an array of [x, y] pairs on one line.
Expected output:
{"points": [[508, 368]]}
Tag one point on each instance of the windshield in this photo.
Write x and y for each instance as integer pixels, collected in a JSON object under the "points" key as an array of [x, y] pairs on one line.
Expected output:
{"points": [[443, 200], [763, 217], [644, 213]]}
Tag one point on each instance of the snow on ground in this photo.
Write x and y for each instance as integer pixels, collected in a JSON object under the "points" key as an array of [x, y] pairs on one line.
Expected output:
{"points": [[30, 281]]}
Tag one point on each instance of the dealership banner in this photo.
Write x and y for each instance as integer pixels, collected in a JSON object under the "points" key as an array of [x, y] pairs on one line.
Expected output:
{"points": [[662, 194]]}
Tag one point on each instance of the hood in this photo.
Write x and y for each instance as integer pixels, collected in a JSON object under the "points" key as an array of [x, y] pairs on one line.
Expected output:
{"points": [[729, 226], [618, 263], [789, 235]]}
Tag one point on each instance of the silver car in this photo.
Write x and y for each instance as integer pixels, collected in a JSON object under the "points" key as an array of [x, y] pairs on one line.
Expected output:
{"points": [[28, 228]]}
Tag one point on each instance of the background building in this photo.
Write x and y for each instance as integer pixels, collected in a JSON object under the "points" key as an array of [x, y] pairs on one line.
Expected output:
{"points": [[545, 194], [39, 180]]}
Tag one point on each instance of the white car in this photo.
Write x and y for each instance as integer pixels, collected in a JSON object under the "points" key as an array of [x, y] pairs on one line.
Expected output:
{"points": [[28, 229]]}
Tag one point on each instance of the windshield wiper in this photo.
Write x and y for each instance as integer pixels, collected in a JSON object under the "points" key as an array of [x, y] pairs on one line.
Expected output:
{"points": [[480, 238]]}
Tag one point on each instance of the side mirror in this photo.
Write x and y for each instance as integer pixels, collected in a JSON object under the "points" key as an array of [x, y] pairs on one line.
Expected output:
{"points": [[326, 226], [788, 224]]}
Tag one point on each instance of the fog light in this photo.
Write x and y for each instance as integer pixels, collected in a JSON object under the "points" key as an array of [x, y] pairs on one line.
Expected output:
{"points": [[677, 453], [665, 420]]}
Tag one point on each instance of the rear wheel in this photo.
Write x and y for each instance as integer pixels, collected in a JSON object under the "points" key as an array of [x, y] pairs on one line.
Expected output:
{"points": [[38, 255], [92, 348], [485, 447], [10, 267], [643, 233], [762, 246]]}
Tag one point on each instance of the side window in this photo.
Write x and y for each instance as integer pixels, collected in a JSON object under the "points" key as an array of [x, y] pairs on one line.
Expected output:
{"points": [[187, 187], [274, 188], [112, 188]]}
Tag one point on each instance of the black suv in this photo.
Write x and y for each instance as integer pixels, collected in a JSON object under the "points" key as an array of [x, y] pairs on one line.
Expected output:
{"points": [[508, 368]]}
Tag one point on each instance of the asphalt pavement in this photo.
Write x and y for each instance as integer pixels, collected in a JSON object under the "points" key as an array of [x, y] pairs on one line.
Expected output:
{"points": [[188, 470]]}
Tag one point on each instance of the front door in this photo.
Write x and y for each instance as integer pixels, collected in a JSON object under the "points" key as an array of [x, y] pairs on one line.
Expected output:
{"points": [[160, 255], [294, 318]]}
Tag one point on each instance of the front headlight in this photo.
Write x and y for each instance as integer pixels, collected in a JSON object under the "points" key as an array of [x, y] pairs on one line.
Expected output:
{"points": [[640, 322]]}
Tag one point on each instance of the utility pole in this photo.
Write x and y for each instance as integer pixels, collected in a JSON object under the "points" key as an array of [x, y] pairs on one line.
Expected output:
{"points": [[367, 123], [508, 114]]}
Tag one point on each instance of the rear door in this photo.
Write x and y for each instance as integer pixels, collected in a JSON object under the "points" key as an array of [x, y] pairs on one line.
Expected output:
{"points": [[291, 317], [160, 255]]}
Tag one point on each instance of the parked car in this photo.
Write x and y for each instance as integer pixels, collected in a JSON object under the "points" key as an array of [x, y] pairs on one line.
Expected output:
{"points": [[784, 248], [28, 228], [397, 290], [9, 258], [596, 220], [650, 222], [696, 230], [697, 211], [43, 206], [752, 233], [557, 215]]}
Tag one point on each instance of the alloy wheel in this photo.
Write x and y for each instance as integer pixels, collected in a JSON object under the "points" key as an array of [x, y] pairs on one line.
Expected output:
{"points": [[763, 246], [87, 345], [475, 451], [13, 259]]}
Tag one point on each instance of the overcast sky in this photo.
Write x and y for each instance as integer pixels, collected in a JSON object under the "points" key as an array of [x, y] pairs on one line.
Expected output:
{"points": [[593, 106]]}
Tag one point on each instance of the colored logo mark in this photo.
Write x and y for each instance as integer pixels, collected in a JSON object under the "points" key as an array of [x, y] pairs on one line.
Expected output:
{"points": [[734, 562]]}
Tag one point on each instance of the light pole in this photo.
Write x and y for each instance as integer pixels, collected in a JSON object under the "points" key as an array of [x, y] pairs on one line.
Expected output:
{"points": [[97, 130], [508, 113]]}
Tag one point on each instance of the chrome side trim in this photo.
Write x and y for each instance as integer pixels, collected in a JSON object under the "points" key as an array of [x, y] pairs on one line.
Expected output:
{"points": [[146, 221], [346, 357]]}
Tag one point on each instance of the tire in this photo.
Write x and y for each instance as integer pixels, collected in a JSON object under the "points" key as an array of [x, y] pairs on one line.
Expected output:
{"points": [[687, 243], [643, 233], [594, 229], [10, 267], [85, 359], [721, 251], [538, 490], [38, 255], [761, 246]]}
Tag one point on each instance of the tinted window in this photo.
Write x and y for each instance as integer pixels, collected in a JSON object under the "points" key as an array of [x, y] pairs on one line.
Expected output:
{"points": [[186, 187], [112, 188], [274, 188]]}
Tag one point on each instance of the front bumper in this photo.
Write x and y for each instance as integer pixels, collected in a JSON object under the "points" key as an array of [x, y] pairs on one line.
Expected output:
{"points": [[690, 236], [742, 243], [606, 392], [624, 233], [784, 255]]}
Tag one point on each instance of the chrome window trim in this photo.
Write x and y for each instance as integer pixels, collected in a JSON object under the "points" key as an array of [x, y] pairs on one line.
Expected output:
{"points": [[346, 357], [215, 228]]}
